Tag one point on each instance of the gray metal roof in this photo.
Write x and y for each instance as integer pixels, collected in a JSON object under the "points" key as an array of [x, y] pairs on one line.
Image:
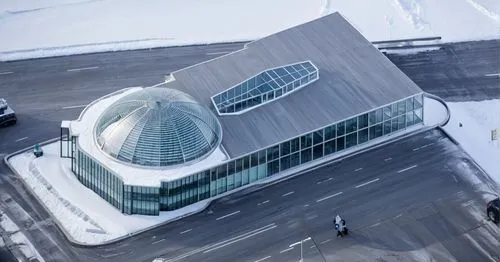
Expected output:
{"points": [[354, 77]]}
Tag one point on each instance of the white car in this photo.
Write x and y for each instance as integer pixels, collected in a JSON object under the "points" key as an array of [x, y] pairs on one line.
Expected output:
{"points": [[7, 115]]}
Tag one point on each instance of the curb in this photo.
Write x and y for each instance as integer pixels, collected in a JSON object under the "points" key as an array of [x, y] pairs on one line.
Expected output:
{"points": [[251, 188]]}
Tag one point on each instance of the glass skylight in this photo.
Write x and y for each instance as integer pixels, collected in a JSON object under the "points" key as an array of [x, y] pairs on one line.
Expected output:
{"points": [[265, 87]]}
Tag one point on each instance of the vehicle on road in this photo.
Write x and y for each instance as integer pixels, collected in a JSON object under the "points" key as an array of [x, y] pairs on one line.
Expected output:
{"points": [[493, 210], [7, 115]]}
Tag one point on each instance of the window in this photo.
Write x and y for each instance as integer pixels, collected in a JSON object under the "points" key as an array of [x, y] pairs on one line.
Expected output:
{"points": [[273, 83]]}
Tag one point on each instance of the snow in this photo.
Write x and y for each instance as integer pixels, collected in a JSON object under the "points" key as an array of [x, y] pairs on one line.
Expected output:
{"points": [[132, 175], [477, 119], [7, 224], [434, 112], [88, 219], [85, 216], [18, 238], [63, 27]]}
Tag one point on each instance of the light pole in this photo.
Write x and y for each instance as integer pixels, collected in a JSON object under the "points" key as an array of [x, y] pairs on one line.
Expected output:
{"points": [[301, 242]]}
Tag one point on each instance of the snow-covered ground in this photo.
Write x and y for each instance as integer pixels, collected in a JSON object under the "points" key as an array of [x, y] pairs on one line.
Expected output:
{"points": [[17, 237], [62, 27], [86, 217], [478, 119]]}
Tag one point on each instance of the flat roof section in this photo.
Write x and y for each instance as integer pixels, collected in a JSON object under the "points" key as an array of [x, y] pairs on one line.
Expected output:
{"points": [[354, 77]]}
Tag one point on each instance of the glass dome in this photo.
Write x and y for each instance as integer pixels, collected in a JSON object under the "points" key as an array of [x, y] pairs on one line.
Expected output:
{"points": [[158, 127]]}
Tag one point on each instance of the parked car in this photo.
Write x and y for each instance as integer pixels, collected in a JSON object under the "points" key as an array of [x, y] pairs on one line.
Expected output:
{"points": [[493, 210], [7, 115]]}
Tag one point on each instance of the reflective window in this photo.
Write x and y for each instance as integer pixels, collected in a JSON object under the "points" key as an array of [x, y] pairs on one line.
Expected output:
{"points": [[265, 86]]}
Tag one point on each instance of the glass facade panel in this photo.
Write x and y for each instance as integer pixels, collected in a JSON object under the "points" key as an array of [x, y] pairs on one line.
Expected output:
{"points": [[248, 95], [239, 172], [351, 140], [351, 125]]}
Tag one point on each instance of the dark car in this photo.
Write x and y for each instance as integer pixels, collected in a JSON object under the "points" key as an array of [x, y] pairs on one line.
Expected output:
{"points": [[493, 210], [7, 115]]}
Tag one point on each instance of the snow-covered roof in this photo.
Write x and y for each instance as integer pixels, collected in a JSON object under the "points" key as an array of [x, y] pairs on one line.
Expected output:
{"points": [[133, 175]]}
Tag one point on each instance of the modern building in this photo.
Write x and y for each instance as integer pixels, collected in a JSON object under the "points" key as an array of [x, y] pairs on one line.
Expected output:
{"points": [[289, 100]]}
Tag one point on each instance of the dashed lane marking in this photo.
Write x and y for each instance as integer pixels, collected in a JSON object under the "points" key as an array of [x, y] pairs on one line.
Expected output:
{"points": [[21, 139], [185, 231], [6, 73], [358, 169], [328, 197], [387, 159], [262, 259], [287, 194], [367, 183], [228, 215], [415, 149], [156, 242], [286, 250], [325, 241], [262, 203], [217, 53], [70, 107], [406, 169], [82, 69], [490, 75]]}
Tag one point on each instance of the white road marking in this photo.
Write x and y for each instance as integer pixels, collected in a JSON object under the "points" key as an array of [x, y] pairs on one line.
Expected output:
{"points": [[415, 149], [313, 246], [185, 231], [306, 205], [70, 107], [286, 250], [6, 73], [287, 194], [358, 169], [398, 216], [198, 250], [21, 139], [228, 215], [262, 203], [455, 178], [326, 180], [489, 75], [328, 197], [218, 53], [325, 241], [262, 259], [374, 225], [83, 68], [239, 239], [406, 169], [156, 242], [387, 159], [133, 86], [369, 182], [424, 146]]}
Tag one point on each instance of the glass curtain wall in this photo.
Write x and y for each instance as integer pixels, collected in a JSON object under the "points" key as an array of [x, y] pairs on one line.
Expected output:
{"points": [[94, 176], [297, 151], [242, 171]]}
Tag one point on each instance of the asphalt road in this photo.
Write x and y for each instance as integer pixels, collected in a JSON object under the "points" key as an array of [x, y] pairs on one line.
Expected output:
{"points": [[467, 71], [45, 91], [399, 203]]}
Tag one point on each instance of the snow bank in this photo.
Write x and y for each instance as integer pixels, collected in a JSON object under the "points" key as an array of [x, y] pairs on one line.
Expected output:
{"points": [[85, 216], [477, 119], [63, 27], [18, 238]]}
